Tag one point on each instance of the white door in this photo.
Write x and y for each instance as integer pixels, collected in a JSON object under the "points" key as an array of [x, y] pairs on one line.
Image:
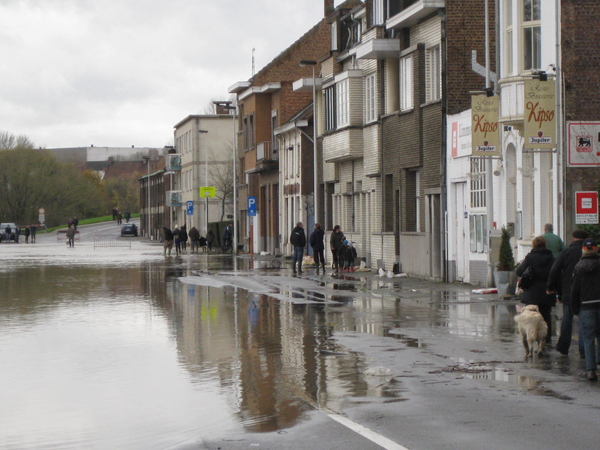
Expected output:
{"points": [[461, 231]]}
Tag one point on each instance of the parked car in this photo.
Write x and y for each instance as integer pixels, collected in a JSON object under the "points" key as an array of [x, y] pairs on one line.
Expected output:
{"points": [[13, 228], [129, 229]]}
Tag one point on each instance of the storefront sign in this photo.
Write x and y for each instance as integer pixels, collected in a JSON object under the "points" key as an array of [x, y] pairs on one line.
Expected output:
{"points": [[584, 144], [484, 125], [539, 113]]}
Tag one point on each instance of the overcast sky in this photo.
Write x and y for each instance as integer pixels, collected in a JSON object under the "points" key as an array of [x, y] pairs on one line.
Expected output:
{"points": [[117, 73]]}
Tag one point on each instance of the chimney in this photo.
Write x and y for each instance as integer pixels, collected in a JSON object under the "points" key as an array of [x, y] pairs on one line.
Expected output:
{"points": [[329, 7]]}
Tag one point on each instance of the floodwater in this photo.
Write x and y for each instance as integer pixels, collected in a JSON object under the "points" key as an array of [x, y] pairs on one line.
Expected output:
{"points": [[146, 352]]}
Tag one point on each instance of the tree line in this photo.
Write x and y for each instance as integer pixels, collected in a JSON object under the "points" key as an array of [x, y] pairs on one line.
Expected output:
{"points": [[32, 178]]}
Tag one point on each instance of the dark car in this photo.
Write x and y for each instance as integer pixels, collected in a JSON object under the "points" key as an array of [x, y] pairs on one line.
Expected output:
{"points": [[13, 228], [129, 229]]}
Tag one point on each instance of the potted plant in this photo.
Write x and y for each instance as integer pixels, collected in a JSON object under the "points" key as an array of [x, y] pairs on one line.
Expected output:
{"points": [[505, 276]]}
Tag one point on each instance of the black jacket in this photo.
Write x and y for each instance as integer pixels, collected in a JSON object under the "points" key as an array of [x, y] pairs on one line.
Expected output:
{"points": [[168, 234], [298, 238], [316, 239], [585, 288], [562, 271], [541, 262], [336, 240]]}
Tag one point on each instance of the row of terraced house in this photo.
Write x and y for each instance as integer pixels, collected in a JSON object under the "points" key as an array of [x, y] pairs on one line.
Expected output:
{"points": [[372, 108]]}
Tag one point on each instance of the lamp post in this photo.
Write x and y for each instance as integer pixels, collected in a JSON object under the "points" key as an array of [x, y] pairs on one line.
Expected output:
{"points": [[304, 63], [147, 159], [205, 179]]}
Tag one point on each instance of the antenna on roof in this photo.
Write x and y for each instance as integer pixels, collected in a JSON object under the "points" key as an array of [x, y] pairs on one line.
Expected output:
{"points": [[253, 60]]}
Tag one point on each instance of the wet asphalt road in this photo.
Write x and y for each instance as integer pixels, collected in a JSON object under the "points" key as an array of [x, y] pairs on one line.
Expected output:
{"points": [[440, 368]]}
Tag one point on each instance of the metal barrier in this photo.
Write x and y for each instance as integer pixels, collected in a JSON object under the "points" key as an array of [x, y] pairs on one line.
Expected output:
{"points": [[111, 241]]}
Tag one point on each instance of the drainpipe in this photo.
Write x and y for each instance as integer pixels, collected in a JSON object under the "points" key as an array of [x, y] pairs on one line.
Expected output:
{"points": [[444, 155]]}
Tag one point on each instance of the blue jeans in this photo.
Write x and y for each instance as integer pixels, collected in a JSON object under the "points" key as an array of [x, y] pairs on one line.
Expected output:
{"points": [[566, 333], [298, 254], [589, 321]]}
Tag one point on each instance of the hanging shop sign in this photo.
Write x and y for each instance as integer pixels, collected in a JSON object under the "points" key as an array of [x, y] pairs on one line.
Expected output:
{"points": [[484, 125], [539, 113]]}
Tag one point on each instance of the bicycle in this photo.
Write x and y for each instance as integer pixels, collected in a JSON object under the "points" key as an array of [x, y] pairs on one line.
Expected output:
{"points": [[227, 246]]}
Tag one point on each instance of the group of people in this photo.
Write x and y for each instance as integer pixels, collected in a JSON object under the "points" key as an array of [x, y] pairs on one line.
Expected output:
{"points": [[116, 215], [570, 275], [179, 237], [28, 231], [73, 223], [342, 251]]}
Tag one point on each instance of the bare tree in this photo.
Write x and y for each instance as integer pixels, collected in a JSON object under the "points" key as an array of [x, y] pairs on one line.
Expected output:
{"points": [[211, 108], [221, 175]]}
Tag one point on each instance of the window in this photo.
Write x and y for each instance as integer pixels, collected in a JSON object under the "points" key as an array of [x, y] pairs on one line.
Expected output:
{"points": [[478, 195], [509, 38], [434, 74], [532, 34], [343, 100], [378, 12], [406, 83], [334, 38], [478, 233], [248, 132], [370, 99], [330, 114]]}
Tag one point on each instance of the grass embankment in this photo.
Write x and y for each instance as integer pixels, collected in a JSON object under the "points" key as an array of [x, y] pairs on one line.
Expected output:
{"points": [[91, 221]]}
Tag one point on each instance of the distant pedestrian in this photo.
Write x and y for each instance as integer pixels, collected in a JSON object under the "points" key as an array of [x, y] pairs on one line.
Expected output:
{"points": [[553, 242], [585, 301], [210, 239], [75, 222], [167, 241], [127, 216], [194, 236], [33, 230], [26, 233], [177, 240], [298, 241], [7, 233], [71, 237], [183, 235], [335, 242], [559, 282], [318, 246], [69, 223], [115, 211], [17, 231], [119, 218], [227, 237], [540, 260]]}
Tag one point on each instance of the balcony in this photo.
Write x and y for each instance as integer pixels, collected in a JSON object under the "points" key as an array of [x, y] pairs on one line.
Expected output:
{"points": [[267, 158], [412, 14]]}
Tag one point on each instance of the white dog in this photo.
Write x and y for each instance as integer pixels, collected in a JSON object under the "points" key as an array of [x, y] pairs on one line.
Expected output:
{"points": [[533, 328]]}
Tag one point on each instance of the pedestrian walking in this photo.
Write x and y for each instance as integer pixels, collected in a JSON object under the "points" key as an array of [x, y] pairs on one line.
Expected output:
{"points": [[26, 233], [559, 282], [167, 241], [318, 246], [585, 301], [298, 241], [75, 222], [115, 211], [540, 260], [17, 233], [194, 236], [335, 242], [177, 240], [183, 236], [71, 237], [127, 216], [7, 233], [210, 239], [553, 242], [119, 218], [33, 230]]}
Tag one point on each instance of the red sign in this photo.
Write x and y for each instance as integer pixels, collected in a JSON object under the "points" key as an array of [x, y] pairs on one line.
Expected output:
{"points": [[586, 207]]}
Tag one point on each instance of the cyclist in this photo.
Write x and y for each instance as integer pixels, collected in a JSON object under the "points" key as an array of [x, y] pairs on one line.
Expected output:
{"points": [[228, 237]]}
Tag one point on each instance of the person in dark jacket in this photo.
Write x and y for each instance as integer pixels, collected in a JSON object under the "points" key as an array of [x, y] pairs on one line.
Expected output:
{"points": [[540, 260], [298, 241], [26, 232], [194, 236], [585, 301], [335, 242], [167, 240], [177, 240], [559, 282], [318, 246], [210, 239], [183, 235]]}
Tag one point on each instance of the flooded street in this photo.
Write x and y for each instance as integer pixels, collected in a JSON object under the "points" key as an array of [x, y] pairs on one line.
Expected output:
{"points": [[122, 348]]}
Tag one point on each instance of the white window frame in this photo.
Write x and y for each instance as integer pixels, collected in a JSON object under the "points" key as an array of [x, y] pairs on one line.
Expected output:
{"points": [[406, 83], [329, 100], [334, 39], [510, 38], [342, 94], [378, 12], [434, 74], [532, 24], [370, 98]]}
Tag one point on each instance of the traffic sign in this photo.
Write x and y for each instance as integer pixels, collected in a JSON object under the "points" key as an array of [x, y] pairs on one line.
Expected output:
{"points": [[252, 206], [586, 207], [190, 207], [208, 191]]}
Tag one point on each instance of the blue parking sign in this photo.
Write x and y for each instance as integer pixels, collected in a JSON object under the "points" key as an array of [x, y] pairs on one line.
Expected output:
{"points": [[252, 206], [190, 208]]}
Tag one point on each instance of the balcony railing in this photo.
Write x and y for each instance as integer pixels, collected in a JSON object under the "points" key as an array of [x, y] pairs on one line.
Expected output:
{"points": [[265, 152]]}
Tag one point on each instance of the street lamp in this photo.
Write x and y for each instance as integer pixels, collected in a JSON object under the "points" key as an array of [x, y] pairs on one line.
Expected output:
{"points": [[205, 178], [304, 63], [228, 106], [147, 159]]}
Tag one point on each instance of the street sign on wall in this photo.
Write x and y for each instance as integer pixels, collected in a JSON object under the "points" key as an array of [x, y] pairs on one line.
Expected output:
{"points": [[584, 144], [586, 207], [252, 206]]}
